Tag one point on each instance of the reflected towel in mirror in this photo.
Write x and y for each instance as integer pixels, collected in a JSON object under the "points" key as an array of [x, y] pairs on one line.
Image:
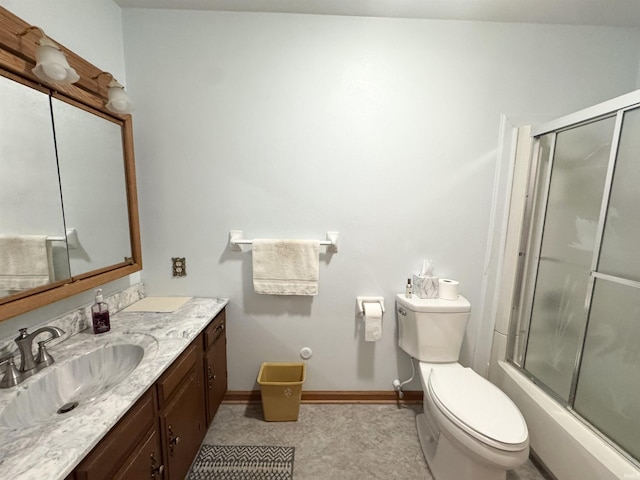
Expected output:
{"points": [[25, 262]]}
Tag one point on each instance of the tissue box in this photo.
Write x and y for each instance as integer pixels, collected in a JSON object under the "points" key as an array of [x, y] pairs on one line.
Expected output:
{"points": [[425, 287]]}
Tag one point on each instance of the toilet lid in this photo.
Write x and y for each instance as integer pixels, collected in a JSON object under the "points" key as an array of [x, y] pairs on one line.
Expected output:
{"points": [[478, 407]]}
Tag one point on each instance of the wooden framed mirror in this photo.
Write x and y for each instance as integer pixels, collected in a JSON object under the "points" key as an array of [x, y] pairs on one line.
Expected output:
{"points": [[67, 179]]}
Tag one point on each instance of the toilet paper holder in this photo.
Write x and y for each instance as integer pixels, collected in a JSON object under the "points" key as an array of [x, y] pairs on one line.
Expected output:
{"points": [[362, 300]]}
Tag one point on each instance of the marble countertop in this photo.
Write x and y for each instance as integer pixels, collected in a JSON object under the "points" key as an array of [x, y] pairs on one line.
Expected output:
{"points": [[52, 449]]}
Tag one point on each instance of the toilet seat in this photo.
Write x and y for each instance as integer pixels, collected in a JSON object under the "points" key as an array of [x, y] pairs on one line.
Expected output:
{"points": [[478, 407]]}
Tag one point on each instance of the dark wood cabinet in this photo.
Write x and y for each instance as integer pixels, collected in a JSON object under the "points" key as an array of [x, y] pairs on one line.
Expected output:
{"points": [[182, 414], [215, 364], [146, 461], [161, 434], [175, 375], [121, 442], [183, 428]]}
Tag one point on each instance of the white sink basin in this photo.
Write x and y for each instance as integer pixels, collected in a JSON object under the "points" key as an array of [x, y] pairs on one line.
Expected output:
{"points": [[65, 386]]}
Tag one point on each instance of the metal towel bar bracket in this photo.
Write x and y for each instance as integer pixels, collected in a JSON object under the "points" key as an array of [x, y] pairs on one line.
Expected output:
{"points": [[236, 240], [71, 238]]}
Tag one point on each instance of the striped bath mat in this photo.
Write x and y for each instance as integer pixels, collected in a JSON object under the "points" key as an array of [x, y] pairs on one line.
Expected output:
{"points": [[242, 462]]}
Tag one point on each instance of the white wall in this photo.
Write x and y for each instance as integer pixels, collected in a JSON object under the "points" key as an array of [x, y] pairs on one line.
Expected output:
{"points": [[383, 129], [92, 29]]}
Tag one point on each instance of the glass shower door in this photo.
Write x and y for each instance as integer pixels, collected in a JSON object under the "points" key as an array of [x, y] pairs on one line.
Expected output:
{"points": [[558, 309], [576, 327], [608, 389]]}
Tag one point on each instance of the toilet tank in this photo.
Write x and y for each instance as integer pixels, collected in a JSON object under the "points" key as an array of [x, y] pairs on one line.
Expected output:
{"points": [[432, 329]]}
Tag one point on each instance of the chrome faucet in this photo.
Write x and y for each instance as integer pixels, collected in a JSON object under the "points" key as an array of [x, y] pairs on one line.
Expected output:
{"points": [[28, 364], [25, 342]]}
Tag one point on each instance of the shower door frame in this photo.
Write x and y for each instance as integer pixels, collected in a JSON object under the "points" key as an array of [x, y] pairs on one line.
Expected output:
{"points": [[531, 243]]}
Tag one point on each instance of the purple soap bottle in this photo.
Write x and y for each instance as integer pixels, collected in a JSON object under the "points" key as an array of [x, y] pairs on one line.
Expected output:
{"points": [[100, 314]]}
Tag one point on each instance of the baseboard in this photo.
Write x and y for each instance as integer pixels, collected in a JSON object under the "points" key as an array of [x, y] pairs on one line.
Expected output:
{"points": [[339, 396], [242, 396]]}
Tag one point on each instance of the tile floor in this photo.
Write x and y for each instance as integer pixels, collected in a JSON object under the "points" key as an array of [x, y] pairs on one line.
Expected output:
{"points": [[346, 442]]}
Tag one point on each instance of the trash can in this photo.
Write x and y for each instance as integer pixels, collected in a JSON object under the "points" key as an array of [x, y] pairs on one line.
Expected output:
{"points": [[281, 389]]}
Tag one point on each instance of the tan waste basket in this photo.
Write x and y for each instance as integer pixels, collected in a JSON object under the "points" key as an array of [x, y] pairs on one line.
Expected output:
{"points": [[281, 389]]}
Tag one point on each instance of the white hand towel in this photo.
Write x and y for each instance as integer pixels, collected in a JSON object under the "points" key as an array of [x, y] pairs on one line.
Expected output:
{"points": [[285, 267], [25, 262]]}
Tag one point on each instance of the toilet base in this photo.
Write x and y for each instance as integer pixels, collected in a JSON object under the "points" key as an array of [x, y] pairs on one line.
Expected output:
{"points": [[428, 436], [446, 461]]}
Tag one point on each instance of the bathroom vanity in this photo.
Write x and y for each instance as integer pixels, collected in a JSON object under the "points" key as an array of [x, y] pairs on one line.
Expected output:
{"points": [[147, 426]]}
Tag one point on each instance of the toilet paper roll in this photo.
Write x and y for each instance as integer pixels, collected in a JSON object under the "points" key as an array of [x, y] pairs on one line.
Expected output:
{"points": [[448, 289], [372, 322]]}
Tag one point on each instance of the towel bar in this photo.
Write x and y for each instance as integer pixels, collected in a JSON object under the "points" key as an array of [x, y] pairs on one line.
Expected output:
{"points": [[235, 240]]}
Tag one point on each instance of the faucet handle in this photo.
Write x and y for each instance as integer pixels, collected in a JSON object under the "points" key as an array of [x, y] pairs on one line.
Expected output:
{"points": [[11, 375], [44, 358], [7, 359]]}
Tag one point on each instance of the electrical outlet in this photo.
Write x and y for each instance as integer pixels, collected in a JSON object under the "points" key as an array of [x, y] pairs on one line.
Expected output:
{"points": [[179, 266]]}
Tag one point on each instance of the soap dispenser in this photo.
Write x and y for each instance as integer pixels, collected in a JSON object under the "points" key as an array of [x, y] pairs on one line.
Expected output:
{"points": [[100, 314], [408, 289]]}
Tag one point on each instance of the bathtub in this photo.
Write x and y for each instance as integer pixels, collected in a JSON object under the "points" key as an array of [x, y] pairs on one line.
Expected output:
{"points": [[568, 448]]}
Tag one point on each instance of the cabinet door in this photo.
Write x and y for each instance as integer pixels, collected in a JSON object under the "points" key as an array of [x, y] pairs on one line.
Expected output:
{"points": [[171, 380], [146, 462], [182, 427], [216, 375], [112, 452], [215, 364]]}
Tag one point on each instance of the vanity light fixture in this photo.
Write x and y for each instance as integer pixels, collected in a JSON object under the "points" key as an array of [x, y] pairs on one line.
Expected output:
{"points": [[51, 63], [117, 99]]}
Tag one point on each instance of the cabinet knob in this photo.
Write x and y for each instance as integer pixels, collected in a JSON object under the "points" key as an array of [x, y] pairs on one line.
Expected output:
{"points": [[155, 469], [211, 376], [173, 440]]}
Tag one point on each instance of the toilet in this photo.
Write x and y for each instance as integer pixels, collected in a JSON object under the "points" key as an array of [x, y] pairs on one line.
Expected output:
{"points": [[469, 429]]}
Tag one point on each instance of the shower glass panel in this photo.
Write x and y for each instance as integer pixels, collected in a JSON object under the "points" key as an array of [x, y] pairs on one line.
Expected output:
{"points": [[558, 312], [620, 255], [575, 328], [609, 386], [545, 145], [608, 389]]}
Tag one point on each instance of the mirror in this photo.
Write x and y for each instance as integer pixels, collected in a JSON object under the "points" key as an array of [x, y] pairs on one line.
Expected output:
{"points": [[67, 181], [92, 181], [30, 201]]}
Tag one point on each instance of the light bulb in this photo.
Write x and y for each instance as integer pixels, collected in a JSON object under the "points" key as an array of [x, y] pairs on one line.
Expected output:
{"points": [[52, 65], [119, 100], [55, 71]]}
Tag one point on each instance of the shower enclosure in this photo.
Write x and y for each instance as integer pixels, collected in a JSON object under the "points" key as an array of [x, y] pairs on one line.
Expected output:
{"points": [[575, 325]]}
